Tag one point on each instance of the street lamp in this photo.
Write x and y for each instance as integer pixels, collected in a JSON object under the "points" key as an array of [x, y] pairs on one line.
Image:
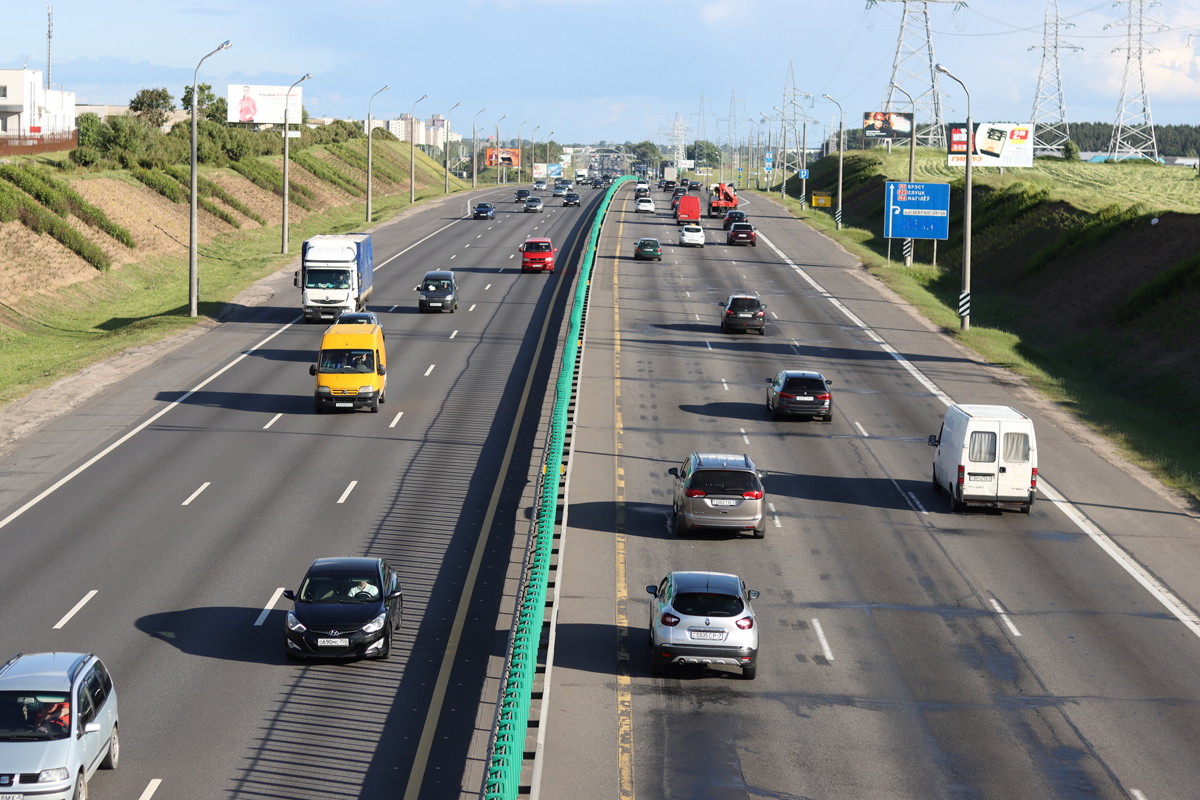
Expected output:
{"points": [[496, 149], [912, 163], [548, 137], [841, 150], [964, 299], [287, 102], [412, 150], [370, 142], [533, 148], [522, 125], [446, 144], [475, 151], [193, 259]]}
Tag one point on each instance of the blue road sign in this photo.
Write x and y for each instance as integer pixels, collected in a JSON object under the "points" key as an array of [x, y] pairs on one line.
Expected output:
{"points": [[802, 174], [916, 210]]}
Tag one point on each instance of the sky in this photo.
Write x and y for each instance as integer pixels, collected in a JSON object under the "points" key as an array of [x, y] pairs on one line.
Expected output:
{"points": [[609, 70]]}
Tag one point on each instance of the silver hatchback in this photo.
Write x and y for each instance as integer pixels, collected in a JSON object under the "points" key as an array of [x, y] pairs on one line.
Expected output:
{"points": [[719, 491], [703, 618]]}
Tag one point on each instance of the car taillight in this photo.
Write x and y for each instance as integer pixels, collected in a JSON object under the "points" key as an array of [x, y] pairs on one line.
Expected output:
{"points": [[761, 314], [1033, 480], [729, 311], [786, 396], [824, 396], [962, 474], [745, 623], [753, 494], [669, 619], [695, 493]]}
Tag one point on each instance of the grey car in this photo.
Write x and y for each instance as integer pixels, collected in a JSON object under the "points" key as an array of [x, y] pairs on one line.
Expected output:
{"points": [[703, 618], [718, 491], [534, 204], [58, 725], [439, 291], [800, 393]]}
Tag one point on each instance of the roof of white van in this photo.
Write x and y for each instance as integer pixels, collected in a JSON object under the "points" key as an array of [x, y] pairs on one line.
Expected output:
{"points": [[991, 412]]}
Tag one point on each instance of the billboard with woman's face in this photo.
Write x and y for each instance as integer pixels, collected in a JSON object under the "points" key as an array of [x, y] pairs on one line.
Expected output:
{"points": [[255, 103], [887, 125]]}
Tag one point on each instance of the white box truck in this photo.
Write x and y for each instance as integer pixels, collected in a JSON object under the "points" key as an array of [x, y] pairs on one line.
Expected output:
{"points": [[985, 456], [336, 274]]}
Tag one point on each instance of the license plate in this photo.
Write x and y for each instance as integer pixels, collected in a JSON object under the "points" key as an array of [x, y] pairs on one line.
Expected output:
{"points": [[744, 316], [435, 304], [716, 635], [343, 405], [333, 642], [10, 797], [719, 502], [975, 477], [801, 397]]}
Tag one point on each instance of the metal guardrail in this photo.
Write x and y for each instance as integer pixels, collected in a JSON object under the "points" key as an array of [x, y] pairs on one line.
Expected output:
{"points": [[506, 751]]}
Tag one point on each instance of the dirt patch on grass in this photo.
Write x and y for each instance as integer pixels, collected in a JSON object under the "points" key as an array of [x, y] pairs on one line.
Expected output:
{"points": [[36, 264]]}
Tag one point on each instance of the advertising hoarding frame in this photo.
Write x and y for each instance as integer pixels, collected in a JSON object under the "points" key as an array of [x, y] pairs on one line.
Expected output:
{"points": [[261, 104]]}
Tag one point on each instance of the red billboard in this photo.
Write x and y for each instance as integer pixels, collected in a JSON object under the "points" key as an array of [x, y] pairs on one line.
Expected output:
{"points": [[503, 157]]}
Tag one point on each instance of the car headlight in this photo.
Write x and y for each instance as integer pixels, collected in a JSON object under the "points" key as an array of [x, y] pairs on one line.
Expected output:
{"points": [[375, 624], [54, 775], [366, 389], [324, 390], [294, 625]]}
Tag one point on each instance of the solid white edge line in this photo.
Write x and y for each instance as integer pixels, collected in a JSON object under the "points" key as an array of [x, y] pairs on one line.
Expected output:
{"points": [[1000, 612], [346, 493], [273, 420], [269, 607], [196, 493], [396, 419], [1157, 590], [774, 515], [67, 617], [816, 623], [151, 788]]}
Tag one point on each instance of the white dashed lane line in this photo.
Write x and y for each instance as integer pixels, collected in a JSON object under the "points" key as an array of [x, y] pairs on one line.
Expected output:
{"points": [[816, 623], [346, 493], [396, 419], [266, 612], [272, 421], [67, 617], [1000, 612], [430, 370], [453, 334], [151, 788], [196, 493]]}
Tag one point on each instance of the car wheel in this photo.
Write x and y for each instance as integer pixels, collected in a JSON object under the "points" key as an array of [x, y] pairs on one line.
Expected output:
{"points": [[1025, 509], [762, 331], [750, 673], [681, 527], [828, 418], [81, 788], [760, 534], [956, 505], [375, 405], [113, 757]]}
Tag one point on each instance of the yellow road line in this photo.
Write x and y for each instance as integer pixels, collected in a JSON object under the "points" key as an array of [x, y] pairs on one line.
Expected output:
{"points": [[624, 692]]}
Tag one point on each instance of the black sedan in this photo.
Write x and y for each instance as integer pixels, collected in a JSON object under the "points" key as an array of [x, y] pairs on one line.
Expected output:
{"points": [[345, 608], [485, 211]]}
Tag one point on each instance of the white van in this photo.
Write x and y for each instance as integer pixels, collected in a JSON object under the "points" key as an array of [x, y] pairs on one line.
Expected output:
{"points": [[986, 456]]}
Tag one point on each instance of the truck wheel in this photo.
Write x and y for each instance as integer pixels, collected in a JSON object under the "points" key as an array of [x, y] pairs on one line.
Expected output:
{"points": [[1025, 509], [318, 407], [937, 487], [956, 505], [375, 406]]}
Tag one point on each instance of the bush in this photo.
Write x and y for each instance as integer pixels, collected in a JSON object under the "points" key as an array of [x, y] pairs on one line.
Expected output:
{"points": [[62, 199], [89, 125], [162, 183], [39, 220], [327, 173], [267, 177], [85, 156], [208, 188]]}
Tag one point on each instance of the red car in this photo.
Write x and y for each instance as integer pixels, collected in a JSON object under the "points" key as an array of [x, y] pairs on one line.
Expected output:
{"points": [[537, 255], [742, 233]]}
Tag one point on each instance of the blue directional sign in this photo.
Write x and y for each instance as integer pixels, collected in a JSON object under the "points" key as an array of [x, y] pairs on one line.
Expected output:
{"points": [[916, 210], [802, 174]]}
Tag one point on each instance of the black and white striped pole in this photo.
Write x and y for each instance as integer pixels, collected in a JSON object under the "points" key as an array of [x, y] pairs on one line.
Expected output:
{"points": [[964, 303], [841, 146]]}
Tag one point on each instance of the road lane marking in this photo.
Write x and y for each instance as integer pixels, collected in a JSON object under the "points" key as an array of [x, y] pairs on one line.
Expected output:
{"points": [[861, 429], [269, 607], [1000, 612], [346, 493], [489, 286], [396, 419], [472, 308], [774, 515], [745, 438], [453, 334], [816, 623], [455, 255], [724, 384], [151, 788], [917, 503], [273, 420], [393, 308], [196, 493], [428, 371], [67, 617]]}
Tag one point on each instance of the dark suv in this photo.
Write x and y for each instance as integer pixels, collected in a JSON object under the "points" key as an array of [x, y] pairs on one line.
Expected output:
{"points": [[439, 291], [800, 392], [743, 312], [718, 491], [742, 233]]}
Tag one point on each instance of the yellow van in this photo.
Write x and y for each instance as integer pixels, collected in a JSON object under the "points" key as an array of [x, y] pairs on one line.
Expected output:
{"points": [[351, 368]]}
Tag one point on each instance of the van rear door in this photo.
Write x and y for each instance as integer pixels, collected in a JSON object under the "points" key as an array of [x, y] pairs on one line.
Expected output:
{"points": [[979, 476], [1017, 459]]}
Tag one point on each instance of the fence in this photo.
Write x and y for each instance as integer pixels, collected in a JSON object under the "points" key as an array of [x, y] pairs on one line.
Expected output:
{"points": [[30, 144]]}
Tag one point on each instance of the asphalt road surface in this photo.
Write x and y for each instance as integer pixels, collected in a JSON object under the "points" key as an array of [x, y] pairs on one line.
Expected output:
{"points": [[907, 652]]}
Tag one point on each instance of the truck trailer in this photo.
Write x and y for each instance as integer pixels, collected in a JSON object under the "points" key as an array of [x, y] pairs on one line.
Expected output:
{"points": [[336, 274]]}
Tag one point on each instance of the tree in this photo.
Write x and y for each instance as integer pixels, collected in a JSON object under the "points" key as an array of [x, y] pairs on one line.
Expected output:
{"points": [[646, 153], [1070, 151], [89, 125], [704, 152], [152, 105], [209, 105]]}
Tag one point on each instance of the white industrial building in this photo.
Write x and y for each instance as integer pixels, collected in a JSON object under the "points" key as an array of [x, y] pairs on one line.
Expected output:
{"points": [[28, 108]]}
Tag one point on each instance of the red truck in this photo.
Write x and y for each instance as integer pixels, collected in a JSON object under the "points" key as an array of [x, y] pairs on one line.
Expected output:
{"points": [[688, 209], [722, 200]]}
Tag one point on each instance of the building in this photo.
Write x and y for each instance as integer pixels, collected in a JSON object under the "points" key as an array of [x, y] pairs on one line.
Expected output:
{"points": [[28, 108], [405, 127]]}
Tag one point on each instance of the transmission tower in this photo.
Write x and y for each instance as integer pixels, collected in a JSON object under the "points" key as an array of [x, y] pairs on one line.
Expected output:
{"points": [[701, 159], [1133, 133], [49, 45], [731, 132], [678, 141], [1050, 128], [913, 69]]}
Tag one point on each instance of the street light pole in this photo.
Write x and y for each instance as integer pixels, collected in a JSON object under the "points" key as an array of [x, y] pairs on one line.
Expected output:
{"points": [[912, 164], [287, 102], [370, 142], [412, 150], [522, 125], [964, 298], [446, 144], [475, 150], [533, 149], [193, 244], [841, 152], [548, 137], [496, 149]]}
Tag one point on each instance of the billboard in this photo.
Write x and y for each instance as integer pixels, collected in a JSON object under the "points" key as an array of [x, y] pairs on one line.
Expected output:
{"points": [[547, 171], [262, 103], [881, 125], [997, 144], [503, 157]]}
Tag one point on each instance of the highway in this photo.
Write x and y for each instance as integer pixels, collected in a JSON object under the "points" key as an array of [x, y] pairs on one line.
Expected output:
{"points": [[157, 524], [907, 652]]}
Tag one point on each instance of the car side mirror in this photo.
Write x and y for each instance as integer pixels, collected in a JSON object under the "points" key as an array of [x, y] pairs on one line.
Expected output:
{"points": [[752, 594], [673, 472], [395, 594], [768, 380], [296, 279], [92, 727], [312, 369], [382, 369], [762, 473], [828, 383], [933, 440], [289, 594], [652, 589]]}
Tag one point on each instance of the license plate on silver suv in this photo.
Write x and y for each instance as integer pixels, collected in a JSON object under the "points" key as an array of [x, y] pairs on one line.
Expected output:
{"points": [[720, 502], [712, 635]]}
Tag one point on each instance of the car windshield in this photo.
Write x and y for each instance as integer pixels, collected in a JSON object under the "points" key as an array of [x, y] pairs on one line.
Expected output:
{"points": [[339, 589], [804, 385], [720, 481], [484, 206], [741, 226], [648, 243], [744, 304], [537, 247], [708, 604], [338, 362], [437, 286], [34, 715], [326, 279]]}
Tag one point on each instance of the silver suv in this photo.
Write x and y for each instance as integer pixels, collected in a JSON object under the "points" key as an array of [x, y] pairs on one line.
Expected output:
{"points": [[58, 724], [703, 618], [713, 490]]}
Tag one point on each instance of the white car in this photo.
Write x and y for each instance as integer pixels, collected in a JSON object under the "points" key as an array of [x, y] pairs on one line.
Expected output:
{"points": [[539, 185], [643, 204], [690, 235]]}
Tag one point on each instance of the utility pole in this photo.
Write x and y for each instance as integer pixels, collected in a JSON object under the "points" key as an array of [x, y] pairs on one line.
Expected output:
{"points": [[1133, 133]]}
